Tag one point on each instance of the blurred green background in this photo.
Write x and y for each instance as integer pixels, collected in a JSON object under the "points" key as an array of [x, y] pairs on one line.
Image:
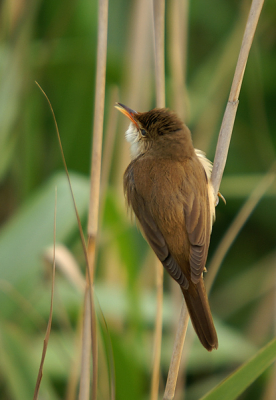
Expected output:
{"points": [[54, 43]]}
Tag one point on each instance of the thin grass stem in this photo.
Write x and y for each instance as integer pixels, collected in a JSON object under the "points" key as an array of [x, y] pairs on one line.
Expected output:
{"points": [[49, 325]]}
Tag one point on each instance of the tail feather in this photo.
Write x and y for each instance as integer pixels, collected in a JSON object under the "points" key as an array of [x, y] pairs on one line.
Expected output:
{"points": [[200, 314]]}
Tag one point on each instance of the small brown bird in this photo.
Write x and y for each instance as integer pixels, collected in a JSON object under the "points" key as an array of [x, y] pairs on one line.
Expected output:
{"points": [[167, 184]]}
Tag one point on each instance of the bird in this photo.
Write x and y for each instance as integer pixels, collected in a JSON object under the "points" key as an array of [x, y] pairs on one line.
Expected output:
{"points": [[168, 187]]}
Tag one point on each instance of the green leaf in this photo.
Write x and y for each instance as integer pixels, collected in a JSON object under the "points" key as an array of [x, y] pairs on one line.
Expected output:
{"points": [[30, 230], [237, 382]]}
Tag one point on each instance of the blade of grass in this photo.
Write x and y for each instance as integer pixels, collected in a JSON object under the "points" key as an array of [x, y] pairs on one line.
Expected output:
{"points": [[68, 177], [270, 391], [77, 216], [234, 385], [49, 325]]}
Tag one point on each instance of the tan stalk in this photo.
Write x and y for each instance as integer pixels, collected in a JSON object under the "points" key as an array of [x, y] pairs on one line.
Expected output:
{"points": [[232, 105], [93, 215], [97, 128], [178, 17], [159, 46], [220, 158], [177, 353]]}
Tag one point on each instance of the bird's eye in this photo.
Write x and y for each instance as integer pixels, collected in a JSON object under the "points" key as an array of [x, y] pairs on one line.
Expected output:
{"points": [[143, 132]]}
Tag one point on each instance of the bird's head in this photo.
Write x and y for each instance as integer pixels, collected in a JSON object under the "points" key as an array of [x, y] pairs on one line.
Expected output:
{"points": [[159, 127]]}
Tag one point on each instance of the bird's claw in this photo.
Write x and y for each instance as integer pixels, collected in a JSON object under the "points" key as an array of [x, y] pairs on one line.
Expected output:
{"points": [[222, 198]]}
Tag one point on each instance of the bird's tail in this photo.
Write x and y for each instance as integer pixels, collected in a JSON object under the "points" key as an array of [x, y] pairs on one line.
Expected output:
{"points": [[200, 314]]}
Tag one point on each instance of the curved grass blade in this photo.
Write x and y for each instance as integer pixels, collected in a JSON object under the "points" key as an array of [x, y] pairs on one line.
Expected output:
{"points": [[236, 383], [49, 325]]}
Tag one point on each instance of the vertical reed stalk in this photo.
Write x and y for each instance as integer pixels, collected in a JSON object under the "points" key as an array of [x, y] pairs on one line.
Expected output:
{"points": [[159, 33], [232, 105], [177, 353], [95, 181], [220, 160]]}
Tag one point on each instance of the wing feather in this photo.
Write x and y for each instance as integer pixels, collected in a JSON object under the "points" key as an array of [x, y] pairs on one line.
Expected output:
{"points": [[197, 218], [151, 231]]}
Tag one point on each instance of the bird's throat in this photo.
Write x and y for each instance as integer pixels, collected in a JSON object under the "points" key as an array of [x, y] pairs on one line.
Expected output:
{"points": [[132, 136]]}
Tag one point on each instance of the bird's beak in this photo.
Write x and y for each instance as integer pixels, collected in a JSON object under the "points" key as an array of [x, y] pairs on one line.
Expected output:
{"points": [[128, 112]]}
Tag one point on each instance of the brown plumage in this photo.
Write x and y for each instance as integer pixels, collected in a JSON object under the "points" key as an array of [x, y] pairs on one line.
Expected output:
{"points": [[167, 186]]}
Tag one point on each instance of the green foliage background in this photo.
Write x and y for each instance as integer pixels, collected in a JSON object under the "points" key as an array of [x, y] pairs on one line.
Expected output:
{"points": [[54, 43]]}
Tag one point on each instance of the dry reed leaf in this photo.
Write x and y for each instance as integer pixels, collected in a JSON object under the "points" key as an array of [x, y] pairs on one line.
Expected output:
{"points": [[68, 266]]}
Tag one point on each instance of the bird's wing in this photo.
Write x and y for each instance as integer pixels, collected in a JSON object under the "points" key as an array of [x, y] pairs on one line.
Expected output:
{"points": [[159, 246], [151, 231], [198, 223]]}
